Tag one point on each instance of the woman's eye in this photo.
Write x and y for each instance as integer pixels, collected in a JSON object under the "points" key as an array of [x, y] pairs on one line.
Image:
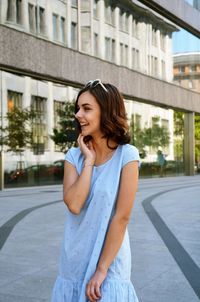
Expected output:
{"points": [[86, 108]]}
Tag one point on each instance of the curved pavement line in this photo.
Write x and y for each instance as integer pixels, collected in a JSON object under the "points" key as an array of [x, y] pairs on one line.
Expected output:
{"points": [[9, 225], [188, 267]]}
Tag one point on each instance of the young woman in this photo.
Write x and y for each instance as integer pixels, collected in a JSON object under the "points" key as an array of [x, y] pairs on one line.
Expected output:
{"points": [[100, 183]]}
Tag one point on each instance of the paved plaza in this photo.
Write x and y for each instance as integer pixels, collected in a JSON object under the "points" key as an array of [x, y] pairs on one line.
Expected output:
{"points": [[164, 232]]}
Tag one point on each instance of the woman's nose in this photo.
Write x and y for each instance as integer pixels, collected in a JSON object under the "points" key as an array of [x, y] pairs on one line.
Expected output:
{"points": [[78, 114]]}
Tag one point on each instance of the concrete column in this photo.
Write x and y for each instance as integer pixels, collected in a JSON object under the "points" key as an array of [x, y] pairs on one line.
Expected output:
{"points": [[169, 58], [1, 170], [117, 56], [25, 16], [50, 116], [26, 102], [189, 154], [48, 21], [68, 23], [3, 111], [1, 122], [130, 20], [159, 71], [79, 46], [143, 48], [101, 30]]}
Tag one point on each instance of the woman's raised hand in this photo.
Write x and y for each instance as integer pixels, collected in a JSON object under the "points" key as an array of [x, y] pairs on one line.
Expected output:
{"points": [[87, 149]]}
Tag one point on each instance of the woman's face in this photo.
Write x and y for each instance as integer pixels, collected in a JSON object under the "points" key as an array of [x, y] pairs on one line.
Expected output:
{"points": [[88, 114]]}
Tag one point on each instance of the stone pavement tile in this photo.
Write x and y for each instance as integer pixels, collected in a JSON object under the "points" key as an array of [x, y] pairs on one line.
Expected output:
{"points": [[170, 286], [180, 211], [37, 286], [150, 262], [18, 298]]}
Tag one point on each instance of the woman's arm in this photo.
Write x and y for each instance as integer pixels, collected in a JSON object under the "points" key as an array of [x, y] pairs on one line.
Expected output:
{"points": [[76, 187], [117, 228]]}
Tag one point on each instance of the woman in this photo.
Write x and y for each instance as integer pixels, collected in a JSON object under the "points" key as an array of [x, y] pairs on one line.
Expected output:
{"points": [[100, 183]]}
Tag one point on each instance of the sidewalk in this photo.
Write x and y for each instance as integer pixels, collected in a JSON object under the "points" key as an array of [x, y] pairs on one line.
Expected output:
{"points": [[164, 232]]}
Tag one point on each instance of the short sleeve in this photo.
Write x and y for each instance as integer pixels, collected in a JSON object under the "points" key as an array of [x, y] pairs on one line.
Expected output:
{"points": [[131, 153], [69, 156]]}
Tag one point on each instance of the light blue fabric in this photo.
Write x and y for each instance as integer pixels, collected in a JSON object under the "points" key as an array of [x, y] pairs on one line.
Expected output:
{"points": [[85, 234]]}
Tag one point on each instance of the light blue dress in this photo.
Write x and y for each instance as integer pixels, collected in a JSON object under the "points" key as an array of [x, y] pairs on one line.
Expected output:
{"points": [[85, 234]]}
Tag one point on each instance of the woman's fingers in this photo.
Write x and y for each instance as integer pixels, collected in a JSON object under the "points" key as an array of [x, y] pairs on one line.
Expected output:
{"points": [[97, 291], [93, 292]]}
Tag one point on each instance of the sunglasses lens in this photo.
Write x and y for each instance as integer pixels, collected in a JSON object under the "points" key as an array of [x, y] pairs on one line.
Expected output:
{"points": [[94, 83]]}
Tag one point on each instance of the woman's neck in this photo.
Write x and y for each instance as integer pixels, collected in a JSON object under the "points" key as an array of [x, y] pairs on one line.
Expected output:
{"points": [[101, 147]]}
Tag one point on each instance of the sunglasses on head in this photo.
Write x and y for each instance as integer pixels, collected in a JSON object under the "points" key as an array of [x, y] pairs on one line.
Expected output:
{"points": [[94, 83]]}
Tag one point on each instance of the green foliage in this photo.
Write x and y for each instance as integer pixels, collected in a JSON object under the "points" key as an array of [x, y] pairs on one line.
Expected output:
{"points": [[137, 135], [154, 136], [197, 138], [178, 124], [65, 133], [178, 134], [18, 134]]}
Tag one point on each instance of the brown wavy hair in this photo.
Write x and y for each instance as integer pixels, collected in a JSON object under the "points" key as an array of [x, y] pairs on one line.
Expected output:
{"points": [[113, 123]]}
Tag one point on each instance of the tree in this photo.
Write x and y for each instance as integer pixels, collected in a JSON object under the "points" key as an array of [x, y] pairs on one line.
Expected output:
{"points": [[65, 133], [178, 134], [197, 138], [137, 135], [154, 136], [18, 133]]}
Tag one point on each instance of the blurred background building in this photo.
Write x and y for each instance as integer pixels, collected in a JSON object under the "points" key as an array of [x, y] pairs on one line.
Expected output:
{"points": [[50, 49]]}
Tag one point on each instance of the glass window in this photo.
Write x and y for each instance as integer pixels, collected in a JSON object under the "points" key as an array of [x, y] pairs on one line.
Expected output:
{"points": [[85, 39], [74, 3], [196, 4], [40, 138], [58, 105], [96, 8], [163, 69], [55, 27], [135, 59], [74, 35], [19, 11], [41, 20], [193, 68], [96, 44], [122, 19], [113, 51], [108, 51], [135, 28], [126, 22], [62, 27], [109, 12], [85, 5], [121, 53], [14, 11], [14, 100], [126, 55], [162, 41], [181, 69], [32, 19], [154, 37]]}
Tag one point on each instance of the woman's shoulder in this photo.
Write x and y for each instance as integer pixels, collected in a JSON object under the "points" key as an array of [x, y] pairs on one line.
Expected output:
{"points": [[73, 154], [129, 153], [129, 148]]}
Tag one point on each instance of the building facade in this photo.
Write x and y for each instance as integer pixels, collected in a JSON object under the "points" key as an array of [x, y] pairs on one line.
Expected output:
{"points": [[187, 70], [54, 47]]}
